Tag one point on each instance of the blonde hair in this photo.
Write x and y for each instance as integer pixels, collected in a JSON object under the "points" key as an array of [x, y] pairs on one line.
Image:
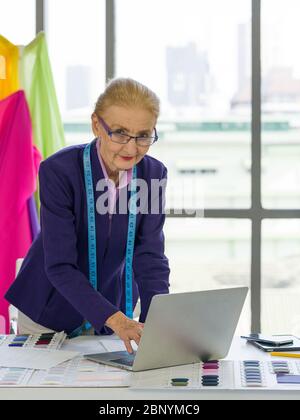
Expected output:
{"points": [[129, 93]]}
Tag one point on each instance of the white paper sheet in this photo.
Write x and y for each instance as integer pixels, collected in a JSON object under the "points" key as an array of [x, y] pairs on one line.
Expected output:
{"points": [[111, 344], [33, 358], [84, 344], [88, 344]]}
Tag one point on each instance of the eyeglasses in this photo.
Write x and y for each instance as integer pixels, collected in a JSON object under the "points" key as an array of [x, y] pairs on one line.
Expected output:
{"points": [[121, 137]]}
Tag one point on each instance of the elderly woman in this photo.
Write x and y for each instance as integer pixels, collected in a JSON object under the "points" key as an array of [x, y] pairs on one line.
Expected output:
{"points": [[85, 271]]}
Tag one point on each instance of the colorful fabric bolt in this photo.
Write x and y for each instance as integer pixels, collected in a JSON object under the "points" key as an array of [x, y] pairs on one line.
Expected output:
{"points": [[37, 81], [19, 162], [9, 75]]}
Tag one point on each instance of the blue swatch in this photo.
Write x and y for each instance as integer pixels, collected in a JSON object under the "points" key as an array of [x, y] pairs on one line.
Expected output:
{"points": [[288, 379]]}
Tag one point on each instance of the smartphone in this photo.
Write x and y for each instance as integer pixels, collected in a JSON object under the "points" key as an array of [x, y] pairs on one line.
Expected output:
{"points": [[268, 340], [295, 346]]}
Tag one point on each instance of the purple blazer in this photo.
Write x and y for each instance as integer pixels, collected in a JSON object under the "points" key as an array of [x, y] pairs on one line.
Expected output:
{"points": [[52, 287]]}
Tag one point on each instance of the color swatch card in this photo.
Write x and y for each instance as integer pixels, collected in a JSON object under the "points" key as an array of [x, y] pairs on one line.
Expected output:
{"points": [[196, 376], [250, 374], [81, 372], [275, 374], [51, 360], [40, 341], [166, 377], [14, 376]]}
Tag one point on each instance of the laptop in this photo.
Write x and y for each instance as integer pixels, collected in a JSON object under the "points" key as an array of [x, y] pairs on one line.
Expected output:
{"points": [[183, 328]]}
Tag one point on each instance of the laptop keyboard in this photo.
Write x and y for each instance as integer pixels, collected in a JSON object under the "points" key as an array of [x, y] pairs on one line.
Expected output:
{"points": [[127, 361]]}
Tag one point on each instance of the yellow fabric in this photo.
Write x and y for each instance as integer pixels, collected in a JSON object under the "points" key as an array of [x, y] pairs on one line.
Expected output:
{"points": [[9, 68]]}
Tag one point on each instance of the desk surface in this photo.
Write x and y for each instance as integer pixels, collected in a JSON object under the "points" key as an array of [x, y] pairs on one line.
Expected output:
{"points": [[239, 350]]}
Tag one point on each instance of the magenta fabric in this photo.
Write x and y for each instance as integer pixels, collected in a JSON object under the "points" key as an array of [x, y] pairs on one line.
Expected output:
{"points": [[19, 162]]}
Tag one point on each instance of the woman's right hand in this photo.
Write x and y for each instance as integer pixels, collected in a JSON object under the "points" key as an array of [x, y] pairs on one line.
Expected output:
{"points": [[127, 329]]}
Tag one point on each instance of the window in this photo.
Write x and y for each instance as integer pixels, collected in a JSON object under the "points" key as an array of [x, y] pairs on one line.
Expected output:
{"points": [[199, 75], [209, 254], [76, 39], [17, 20], [281, 104], [280, 276]]}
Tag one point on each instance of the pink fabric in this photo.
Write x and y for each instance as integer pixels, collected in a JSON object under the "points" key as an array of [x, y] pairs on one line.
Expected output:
{"points": [[2, 324], [113, 191], [19, 162]]}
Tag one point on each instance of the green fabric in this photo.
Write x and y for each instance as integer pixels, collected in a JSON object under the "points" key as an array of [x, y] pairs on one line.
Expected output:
{"points": [[37, 81]]}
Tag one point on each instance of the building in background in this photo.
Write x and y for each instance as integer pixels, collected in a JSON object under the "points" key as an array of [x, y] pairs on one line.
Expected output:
{"points": [[188, 76], [78, 87]]}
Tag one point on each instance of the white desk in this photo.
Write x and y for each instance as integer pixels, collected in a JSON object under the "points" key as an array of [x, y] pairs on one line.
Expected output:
{"points": [[239, 350]]}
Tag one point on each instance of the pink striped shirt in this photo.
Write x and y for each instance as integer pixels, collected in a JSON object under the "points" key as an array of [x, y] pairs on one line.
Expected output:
{"points": [[113, 191]]}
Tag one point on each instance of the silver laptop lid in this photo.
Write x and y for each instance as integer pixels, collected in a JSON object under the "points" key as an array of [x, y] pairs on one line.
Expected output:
{"points": [[184, 328]]}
